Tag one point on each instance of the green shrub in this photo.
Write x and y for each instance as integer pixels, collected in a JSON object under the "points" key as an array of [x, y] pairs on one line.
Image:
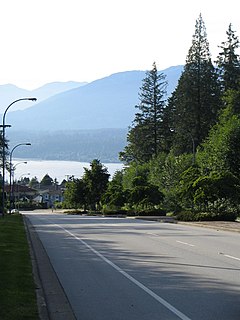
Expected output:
{"points": [[151, 212], [115, 212], [206, 216]]}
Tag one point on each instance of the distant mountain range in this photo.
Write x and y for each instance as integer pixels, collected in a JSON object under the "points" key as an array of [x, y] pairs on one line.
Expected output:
{"points": [[101, 106], [105, 103], [10, 93]]}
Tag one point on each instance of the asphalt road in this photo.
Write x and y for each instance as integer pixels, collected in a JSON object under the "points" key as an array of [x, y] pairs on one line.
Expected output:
{"points": [[126, 269]]}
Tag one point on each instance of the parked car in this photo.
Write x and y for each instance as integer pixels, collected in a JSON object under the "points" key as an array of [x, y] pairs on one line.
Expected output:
{"points": [[14, 211]]}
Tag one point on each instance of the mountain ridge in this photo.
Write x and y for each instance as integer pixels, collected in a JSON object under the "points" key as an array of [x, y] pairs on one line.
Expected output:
{"points": [[10, 92], [83, 123], [71, 145], [104, 103]]}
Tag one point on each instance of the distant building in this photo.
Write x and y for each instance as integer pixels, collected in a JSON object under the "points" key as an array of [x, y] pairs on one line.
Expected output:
{"points": [[21, 192], [49, 196]]}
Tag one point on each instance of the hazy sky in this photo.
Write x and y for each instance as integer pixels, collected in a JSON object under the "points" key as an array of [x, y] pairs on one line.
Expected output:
{"points": [[82, 40]]}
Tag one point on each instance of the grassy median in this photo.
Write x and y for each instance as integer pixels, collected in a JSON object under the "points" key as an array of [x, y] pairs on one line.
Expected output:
{"points": [[17, 288]]}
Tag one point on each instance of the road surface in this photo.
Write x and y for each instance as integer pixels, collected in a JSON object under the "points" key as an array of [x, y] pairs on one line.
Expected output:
{"points": [[127, 269]]}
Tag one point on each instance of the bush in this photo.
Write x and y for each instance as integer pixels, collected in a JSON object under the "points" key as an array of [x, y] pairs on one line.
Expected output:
{"points": [[206, 216], [75, 211], [28, 206], [151, 212], [125, 212], [222, 216]]}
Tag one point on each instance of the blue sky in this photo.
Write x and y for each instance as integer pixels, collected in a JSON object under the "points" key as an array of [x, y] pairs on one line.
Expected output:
{"points": [[82, 40]]}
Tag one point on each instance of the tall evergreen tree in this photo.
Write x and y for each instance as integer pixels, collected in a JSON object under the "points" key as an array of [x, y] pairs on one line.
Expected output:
{"points": [[146, 136], [228, 62], [46, 180], [195, 102]]}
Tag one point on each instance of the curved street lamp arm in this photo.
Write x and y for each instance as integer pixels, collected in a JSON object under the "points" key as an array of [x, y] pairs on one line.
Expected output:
{"points": [[21, 99]]}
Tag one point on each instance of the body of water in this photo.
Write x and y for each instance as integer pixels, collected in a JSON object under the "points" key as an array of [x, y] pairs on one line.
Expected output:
{"points": [[55, 169]]}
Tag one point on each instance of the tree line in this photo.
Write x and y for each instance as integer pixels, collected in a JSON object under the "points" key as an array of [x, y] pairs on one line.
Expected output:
{"points": [[74, 145], [183, 153]]}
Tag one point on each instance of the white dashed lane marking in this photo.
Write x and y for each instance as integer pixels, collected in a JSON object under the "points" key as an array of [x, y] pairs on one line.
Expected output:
{"points": [[186, 244], [228, 256]]}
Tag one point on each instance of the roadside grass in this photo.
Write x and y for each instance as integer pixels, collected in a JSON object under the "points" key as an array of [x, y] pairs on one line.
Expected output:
{"points": [[17, 288]]}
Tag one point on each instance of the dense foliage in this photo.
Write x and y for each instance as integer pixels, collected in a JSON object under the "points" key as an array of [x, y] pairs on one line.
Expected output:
{"points": [[86, 193], [195, 169]]}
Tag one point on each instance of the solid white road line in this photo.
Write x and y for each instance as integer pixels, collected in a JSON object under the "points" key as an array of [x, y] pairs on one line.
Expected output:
{"points": [[126, 275]]}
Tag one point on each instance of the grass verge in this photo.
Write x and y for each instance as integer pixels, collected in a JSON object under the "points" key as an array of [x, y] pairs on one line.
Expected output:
{"points": [[17, 288]]}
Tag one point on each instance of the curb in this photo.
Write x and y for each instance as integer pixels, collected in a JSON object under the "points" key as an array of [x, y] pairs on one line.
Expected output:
{"points": [[52, 301], [210, 226]]}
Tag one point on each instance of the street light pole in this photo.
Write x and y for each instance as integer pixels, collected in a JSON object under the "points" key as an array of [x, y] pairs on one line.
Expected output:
{"points": [[11, 169], [3, 148], [12, 188]]}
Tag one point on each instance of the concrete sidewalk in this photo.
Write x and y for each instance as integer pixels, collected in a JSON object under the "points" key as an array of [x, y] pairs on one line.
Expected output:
{"points": [[52, 302]]}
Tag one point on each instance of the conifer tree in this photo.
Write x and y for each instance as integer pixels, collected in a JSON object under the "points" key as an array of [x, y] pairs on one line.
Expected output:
{"points": [[195, 102], [228, 62], [146, 136], [46, 180]]}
